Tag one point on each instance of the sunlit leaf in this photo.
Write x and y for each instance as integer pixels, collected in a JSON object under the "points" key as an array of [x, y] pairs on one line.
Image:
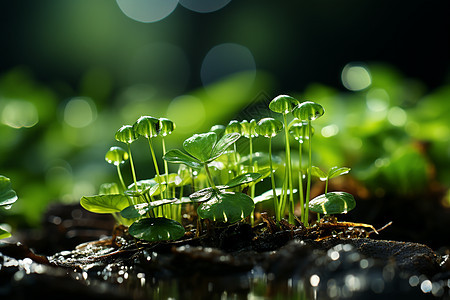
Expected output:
{"points": [[335, 171], [283, 104], [104, 204], [176, 156], [308, 111], [333, 203], [269, 127], [156, 229], [222, 145], [145, 186], [116, 156], [166, 126], [203, 195], [126, 134], [201, 145], [233, 127], [147, 126], [226, 207], [317, 172], [4, 234], [110, 188], [139, 210], [242, 179], [268, 195], [7, 195]]}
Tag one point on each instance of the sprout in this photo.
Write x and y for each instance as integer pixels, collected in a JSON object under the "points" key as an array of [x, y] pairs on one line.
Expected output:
{"points": [[127, 135], [234, 127], [284, 104], [166, 127], [147, 126], [268, 128], [308, 111], [117, 156], [299, 130]]}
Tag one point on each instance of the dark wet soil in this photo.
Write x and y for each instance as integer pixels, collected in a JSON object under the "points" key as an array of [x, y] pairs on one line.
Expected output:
{"points": [[231, 262]]}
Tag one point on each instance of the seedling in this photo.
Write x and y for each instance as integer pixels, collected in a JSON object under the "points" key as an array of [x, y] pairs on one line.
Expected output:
{"points": [[308, 111], [284, 104], [117, 156], [7, 197]]}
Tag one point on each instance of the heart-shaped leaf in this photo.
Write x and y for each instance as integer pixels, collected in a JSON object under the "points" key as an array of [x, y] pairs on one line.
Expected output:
{"points": [[7, 195], [105, 204], [242, 179], [156, 229], [201, 145], [335, 171], [333, 203], [222, 145], [226, 207], [176, 156], [139, 210]]}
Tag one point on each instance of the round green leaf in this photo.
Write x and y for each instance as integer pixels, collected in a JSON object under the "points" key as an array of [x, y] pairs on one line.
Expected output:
{"points": [[156, 229], [116, 156], [315, 171], [7, 195], [335, 171], [269, 127], [333, 203], [226, 207], [166, 126], [138, 210], [308, 111], [283, 104], [126, 134], [299, 130], [248, 128], [104, 204], [233, 127], [201, 145], [147, 126]]}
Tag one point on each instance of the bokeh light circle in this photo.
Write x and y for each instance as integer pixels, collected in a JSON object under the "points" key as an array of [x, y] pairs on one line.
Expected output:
{"points": [[80, 112], [224, 60], [204, 6], [147, 11], [19, 113], [356, 77]]}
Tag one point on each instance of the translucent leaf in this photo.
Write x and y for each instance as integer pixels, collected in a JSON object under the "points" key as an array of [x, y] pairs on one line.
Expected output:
{"points": [[147, 126], [126, 134], [317, 172], [156, 229], [4, 234], [176, 156], [335, 171], [226, 207], [333, 203], [7, 195], [283, 104], [242, 179], [203, 195], [110, 188], [269, 127], [201, 145], [145, 186], [308, 111], [222, 145], [233, 127], [116, 156], [104, 204], [166, 126], [268, 195], [139, 210]]}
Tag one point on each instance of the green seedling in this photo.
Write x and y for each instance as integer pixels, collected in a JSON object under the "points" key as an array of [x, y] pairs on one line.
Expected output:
{"points": [[284, 104], [333, 203], [216, 203], [308, 111], [299, 130], [127, 135], [117, 156], [269, 128], [332, 173], [7, 198], [234, 127]]}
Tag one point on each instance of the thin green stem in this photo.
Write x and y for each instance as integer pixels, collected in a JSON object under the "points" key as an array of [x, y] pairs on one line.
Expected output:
{"points": [[289, 172], [155, 163], [132, 168], [272, 179], [236, 167], [211, 182], [326, 186], [120, 177], [166, 167], [308, 187], [300, 182]]}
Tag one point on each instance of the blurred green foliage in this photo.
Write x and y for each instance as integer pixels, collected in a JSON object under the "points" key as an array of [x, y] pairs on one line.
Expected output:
{"points": [[394, 134]]}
